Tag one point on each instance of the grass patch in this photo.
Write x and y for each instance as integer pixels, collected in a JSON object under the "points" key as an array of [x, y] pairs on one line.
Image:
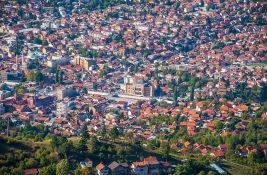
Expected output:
{"points": [[235, 169], [259, 64]]}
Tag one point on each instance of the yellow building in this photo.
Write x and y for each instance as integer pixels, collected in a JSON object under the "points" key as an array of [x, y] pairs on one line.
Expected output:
{"points": [[139, 89], [84, 62]]}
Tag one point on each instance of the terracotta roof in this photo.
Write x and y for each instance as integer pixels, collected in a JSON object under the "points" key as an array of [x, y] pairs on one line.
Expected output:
{"points": [[151, 160], [100, 166], [31, 171]]}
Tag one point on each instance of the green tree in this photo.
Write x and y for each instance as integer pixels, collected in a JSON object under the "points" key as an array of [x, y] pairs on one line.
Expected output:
{"points": [[30, 76], [38, 76], [165, 147], [263, 94], [4, 87], [48, 170], [84, 133], [101, 73], [175, 94], [114, 133], [192, 91], [219, 125], [82, 145], [94, 144], [63, 167], [17, 171]]}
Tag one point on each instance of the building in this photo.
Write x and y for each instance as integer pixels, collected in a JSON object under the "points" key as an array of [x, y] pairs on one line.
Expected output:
{"points": [[118, 168], [87, 163], [57, 60], [102, 169], [4, 94], [2, 109], [40, 101], [150, 166], [139, 168], [84, 62], [137, 86], [67, 91], [10, 76], [62, 108]]}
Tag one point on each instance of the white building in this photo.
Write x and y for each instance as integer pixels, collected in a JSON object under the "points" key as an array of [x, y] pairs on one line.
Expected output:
{"points": [[2, 109], [62, 108], [4, 94]]}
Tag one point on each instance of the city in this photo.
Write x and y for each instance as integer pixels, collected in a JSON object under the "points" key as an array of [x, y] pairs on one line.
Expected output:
{"points": [[133, 87]]}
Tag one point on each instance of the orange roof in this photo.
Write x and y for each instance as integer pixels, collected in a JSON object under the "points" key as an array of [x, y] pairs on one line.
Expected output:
{"points": [[224, 108], [217, 154], [187, 143], [139, 163], [151, 160], [200, 104], [100, 166], [192, 112], [242, 107]]}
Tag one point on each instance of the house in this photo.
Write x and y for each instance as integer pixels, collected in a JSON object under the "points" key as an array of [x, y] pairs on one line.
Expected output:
{"points": [[102, 169], [31, 171], [223, 147], [139, 168], [264, 148], [150, 166], [86, 163], [118, 169], [153, 165], [216, 153]]}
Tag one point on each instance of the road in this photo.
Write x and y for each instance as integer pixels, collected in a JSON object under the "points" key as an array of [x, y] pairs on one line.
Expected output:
{"points": [[120, 97]]}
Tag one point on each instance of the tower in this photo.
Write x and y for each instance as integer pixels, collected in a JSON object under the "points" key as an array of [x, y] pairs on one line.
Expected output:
{"points": [[23, 63], [17, 64], [7, 130]]}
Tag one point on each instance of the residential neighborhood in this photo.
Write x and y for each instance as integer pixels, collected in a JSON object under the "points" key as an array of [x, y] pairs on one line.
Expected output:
{"points": [[178, 80]]}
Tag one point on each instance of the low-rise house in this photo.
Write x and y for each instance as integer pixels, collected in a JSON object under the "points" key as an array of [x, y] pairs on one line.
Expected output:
{"points": [[102, 169], [139, 168], [118, 168], [87, 163]]}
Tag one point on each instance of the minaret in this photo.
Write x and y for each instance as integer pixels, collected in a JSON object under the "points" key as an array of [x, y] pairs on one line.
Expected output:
{"points": [[125, 70], [7, 130], [22, 59], [219, 77], [17, 63]]}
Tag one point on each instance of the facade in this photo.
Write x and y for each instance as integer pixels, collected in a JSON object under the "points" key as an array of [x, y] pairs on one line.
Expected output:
{"points": [[137, 86], [10, 76], [118, 169], [139, 89], [4, 94], [84, 62], [139, 168], [63, 92], [150, 166], [62, 108], [87, 163], [40, 101], [2, 109], [102, 169]]}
